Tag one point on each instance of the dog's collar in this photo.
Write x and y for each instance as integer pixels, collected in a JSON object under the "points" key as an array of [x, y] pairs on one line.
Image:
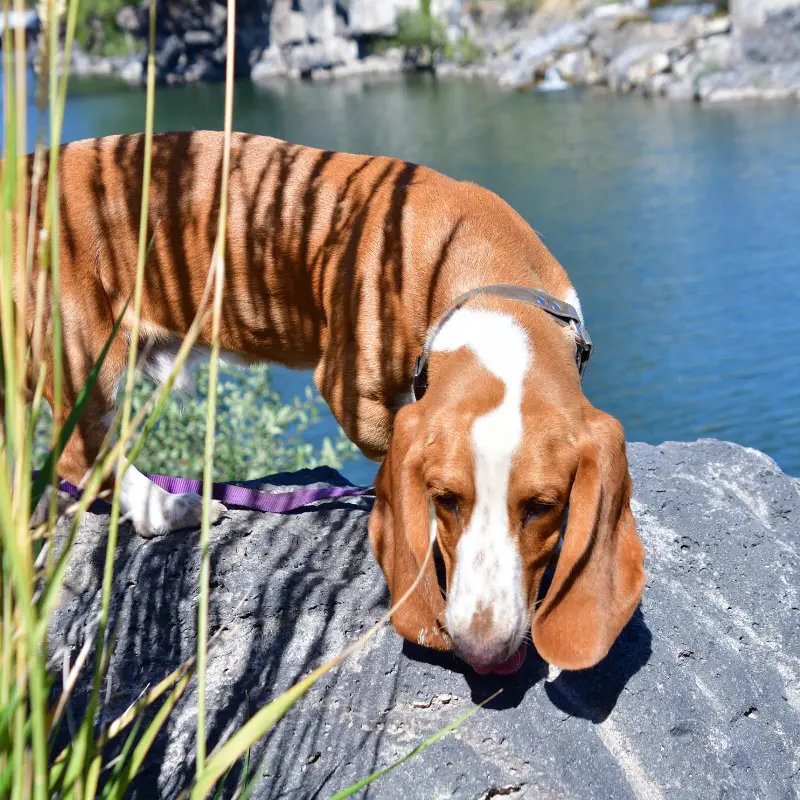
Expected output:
{"points": [[563, 313]]}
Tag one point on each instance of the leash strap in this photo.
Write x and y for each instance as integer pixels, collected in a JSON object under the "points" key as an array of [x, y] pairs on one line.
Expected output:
{"points": [[241, 496], [563, 313]]}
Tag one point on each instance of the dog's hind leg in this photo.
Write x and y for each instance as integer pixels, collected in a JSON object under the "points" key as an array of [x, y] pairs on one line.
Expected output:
{"points": [[152, 510]]}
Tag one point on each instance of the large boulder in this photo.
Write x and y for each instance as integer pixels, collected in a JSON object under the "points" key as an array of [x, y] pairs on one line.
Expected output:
{"points": [[191, 37], [374, 17], [286, 26], [777, 40], [698, 698], [322, 55], [530, 59], [747, 81], [753, 14], [580, 67]]}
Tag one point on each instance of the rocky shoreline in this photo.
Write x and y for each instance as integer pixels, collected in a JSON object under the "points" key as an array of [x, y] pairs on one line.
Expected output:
{"points": [[690, 53]]}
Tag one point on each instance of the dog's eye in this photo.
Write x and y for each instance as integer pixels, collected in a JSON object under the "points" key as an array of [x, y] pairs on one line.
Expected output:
{"points": [[447, 502], [534, 509]]}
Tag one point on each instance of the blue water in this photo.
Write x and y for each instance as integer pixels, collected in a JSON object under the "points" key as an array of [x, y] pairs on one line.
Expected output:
{"points": [[677, 224]]}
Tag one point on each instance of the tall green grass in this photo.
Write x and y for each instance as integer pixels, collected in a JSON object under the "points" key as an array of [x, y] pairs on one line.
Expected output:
{"points": [[32, 566]]}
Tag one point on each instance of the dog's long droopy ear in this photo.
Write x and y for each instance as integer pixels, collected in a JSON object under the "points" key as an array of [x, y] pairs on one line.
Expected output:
{"points": [[400, 529], [599, 578]]}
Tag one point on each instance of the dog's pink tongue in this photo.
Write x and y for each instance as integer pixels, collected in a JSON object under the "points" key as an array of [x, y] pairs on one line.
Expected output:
{"points": [[507, 667]]}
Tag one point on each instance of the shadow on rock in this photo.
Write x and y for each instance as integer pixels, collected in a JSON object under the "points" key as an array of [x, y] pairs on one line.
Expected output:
{"points": [[592, 693], [287, 592], [514, 687]]}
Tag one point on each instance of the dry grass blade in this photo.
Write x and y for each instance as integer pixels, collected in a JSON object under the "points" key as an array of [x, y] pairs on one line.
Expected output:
{"points": [[69, 684]]}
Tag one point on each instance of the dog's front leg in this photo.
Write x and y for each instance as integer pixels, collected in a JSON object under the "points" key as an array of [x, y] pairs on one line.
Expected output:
{"points": [[155, 512]]}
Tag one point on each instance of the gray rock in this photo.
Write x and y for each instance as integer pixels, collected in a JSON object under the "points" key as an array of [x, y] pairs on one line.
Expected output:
{"points": [[748, 81], [580, 66], [680, 89], [169, 53], [686, 66], [386, 64], [607, 16], [320, 18], [133, 72], [701, 27], [321, 55], [716, 53], [287, 26], [680, 12], [127, 19], [636, 64], [612, 42], [84, 65], [199, 38], [699, 697], [217, 19], [376, 17], [656, 84], [270, 66], [531, 58], [753, 14], [777, 41]]}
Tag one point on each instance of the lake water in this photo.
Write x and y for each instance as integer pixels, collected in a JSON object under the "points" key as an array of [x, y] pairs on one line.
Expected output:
{"points": [[678, 225]]}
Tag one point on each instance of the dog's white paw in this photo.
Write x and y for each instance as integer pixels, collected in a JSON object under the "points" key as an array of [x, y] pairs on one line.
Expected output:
{"points": [[155, 512], [186, 511]]}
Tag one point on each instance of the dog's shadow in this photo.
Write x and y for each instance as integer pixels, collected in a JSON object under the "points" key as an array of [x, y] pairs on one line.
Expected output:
{"points": [[514, 687], [592, 693], [589, 694]]}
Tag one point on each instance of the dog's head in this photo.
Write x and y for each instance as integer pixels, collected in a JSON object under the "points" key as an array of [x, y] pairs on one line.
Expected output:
{"points": [[501, 451]]}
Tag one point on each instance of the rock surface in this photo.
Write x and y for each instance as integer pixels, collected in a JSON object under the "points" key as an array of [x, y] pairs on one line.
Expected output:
{"points": [[700, 696], [684, 51]]}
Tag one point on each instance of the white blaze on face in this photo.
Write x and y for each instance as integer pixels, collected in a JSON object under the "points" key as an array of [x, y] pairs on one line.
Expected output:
{"points": [[488, 570]]}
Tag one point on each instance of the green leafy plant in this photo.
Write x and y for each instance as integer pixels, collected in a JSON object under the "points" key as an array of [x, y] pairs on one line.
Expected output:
{"points": [[420, 35], [98, 33], [466, 51], [416, 29], [256, 433]]}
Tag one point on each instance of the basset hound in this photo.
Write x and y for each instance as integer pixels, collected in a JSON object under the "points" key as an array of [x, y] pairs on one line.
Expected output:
{"points": [[364, 270]]}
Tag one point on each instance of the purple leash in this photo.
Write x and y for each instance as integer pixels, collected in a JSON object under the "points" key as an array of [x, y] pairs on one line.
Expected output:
{"points": [[229, 494]]}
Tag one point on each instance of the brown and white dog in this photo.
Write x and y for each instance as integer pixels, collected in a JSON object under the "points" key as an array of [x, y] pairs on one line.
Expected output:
{"points": [[343, 264]]}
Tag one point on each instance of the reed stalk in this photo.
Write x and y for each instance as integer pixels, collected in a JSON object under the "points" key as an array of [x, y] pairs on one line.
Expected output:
{"points": [[218, 268], [84, 742]]}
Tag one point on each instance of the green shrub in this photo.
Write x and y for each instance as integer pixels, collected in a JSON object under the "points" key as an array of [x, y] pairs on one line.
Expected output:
{"points": [[466, 51], [256, 434], [415, 29], [520, 6], [97, 31]]}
